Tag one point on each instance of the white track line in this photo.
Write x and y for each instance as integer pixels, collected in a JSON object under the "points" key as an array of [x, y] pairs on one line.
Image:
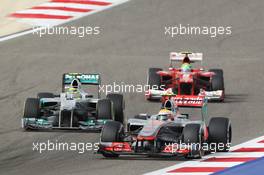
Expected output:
{"points": [[72, 5]]}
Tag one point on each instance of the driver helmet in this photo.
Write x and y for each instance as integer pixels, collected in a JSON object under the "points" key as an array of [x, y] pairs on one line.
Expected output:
{"points": [[75, 85], [165, 114], [186, 60], [74, 89], [186, 67]]}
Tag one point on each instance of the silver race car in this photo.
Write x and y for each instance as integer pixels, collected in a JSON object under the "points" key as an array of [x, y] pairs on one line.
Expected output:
{"points": [[74, 108], [179, 129]]}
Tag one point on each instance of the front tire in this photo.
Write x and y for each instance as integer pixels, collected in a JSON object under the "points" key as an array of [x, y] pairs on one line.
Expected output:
{"points": [[111, 132], [192, 135], [220, 132], [217, 80], [154, 80], [32, 108]]}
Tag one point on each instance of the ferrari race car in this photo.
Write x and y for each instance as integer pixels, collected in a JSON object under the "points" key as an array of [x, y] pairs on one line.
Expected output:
{"points": [[182, 81], [179, 129], [74, 108]]}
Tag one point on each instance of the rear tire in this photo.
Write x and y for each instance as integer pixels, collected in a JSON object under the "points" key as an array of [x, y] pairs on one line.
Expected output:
{"points": [[220, 132], [192, 136], [111, 132], [104, 109], [45, 95], [154, 80], [118, 105]]}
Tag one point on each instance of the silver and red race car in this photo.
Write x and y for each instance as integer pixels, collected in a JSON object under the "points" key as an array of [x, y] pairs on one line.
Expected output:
{"points": [[179, 81], [179, 129]]}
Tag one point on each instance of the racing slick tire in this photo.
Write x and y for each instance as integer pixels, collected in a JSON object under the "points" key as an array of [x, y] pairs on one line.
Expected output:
{"points": [[154, 78], [220, 132], [104, 109], [217, 80], [45, 95], [118, 105], [32, 109], [192, 135], [111, 132]]}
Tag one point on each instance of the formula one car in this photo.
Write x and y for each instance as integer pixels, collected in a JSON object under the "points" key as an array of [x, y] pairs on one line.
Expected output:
{"points": [[74, 108], [170, 132], [185, 80]]}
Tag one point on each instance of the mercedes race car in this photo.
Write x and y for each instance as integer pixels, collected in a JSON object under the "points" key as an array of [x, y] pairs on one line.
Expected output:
{"points": [[74, 108], [179, 129], [185, 80]]}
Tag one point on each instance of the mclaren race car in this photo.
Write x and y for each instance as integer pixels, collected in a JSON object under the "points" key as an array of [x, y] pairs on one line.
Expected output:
{"points": [[179, 129], [74, 108], [185, 80]]}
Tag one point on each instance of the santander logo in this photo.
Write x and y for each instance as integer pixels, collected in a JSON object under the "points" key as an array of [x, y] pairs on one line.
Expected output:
{"points": [[188, 100]]}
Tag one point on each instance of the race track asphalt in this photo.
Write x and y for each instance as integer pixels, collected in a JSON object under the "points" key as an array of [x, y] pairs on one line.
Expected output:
{"points": [[132, 40]]}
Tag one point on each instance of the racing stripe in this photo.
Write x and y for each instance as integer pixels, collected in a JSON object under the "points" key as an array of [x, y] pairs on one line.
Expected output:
{"points": [[197, 169], [72, 5], [50, 12], [101, 3], [62, 8], [229, 159], [249, 149], [30, 15]]}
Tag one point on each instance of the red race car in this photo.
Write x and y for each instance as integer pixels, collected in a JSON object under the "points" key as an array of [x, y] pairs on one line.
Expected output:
{"points": [[185, 80]]}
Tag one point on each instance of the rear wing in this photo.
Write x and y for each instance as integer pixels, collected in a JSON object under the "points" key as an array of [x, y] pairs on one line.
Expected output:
{"points": [[179, 56], [84, 79], [189, 101]]}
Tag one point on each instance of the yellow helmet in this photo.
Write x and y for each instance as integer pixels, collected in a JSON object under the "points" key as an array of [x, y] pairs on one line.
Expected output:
{"points": [[164, 112]]}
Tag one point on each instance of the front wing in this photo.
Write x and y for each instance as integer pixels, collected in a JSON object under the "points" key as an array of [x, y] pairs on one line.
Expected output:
{"points": [[35, 124], [218, 95], [124, 148]]}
